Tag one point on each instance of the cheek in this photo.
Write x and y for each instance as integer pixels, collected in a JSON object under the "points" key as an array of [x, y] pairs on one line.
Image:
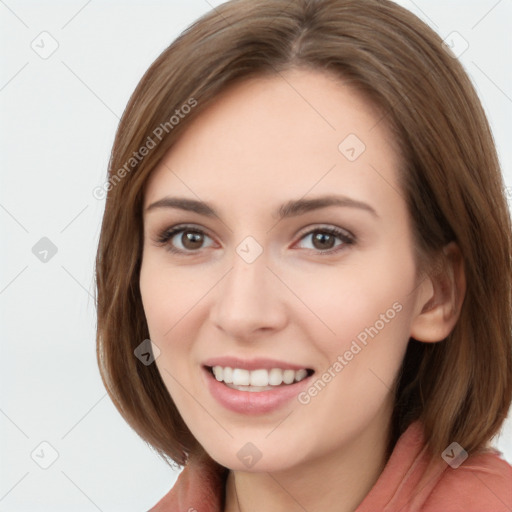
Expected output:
{"points": [[369, 310], [166, 299], [163, 307], [365, 314], [368, 300], [173, 302], [168, 295]]}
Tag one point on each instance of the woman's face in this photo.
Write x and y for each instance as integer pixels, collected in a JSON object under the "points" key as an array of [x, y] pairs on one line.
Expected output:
{"points": [[305, 268]]}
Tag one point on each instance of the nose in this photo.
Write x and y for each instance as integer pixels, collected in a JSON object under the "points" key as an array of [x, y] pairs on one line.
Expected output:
{"points": [[250, 300]]}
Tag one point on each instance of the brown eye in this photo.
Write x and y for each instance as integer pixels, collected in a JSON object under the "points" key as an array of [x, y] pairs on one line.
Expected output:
{"points": [[329, 240], [183, 239], [192, 240], [323, 241]]}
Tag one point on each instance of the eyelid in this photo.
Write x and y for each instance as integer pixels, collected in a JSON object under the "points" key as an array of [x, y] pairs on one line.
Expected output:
{"points": [[338, 231], [347, 238], [164, 236]]}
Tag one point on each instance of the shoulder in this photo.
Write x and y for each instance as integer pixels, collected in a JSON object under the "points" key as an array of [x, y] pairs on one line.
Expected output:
{"points": [[414, 480], [483, 482], [199, 488]]}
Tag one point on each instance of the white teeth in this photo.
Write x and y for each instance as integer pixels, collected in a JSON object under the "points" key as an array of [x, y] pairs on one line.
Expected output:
{"points": [[288, 376], [218, 371], [228, 375], [257, 380], [250, 388], [241, 377], [301, 374], [275, 376]]}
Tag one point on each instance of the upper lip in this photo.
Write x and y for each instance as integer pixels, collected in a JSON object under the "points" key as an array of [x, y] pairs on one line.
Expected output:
{"points": [[252, 364]]}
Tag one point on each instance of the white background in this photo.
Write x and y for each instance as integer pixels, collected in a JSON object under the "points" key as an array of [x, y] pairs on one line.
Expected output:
{"points": [[58, 119]]}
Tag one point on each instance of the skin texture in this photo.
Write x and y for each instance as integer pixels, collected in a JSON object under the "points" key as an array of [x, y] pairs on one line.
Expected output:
{"points": [[262, 143]]}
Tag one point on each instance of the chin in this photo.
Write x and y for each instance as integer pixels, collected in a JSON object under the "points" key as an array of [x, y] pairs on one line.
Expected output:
{"points": [[254, 457]]}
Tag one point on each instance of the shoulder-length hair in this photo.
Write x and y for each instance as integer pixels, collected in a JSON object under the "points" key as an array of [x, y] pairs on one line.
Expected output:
{"points": [[461, 387]]}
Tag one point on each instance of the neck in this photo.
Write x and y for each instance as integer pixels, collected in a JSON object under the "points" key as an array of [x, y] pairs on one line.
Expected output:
{"points": [[336, 481]]}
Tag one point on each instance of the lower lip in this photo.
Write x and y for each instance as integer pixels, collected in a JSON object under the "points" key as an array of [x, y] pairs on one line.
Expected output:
{"points": [[253, 402]]}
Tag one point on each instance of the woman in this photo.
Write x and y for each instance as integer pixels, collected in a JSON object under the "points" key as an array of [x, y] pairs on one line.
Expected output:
{"points": [[306, 217]]}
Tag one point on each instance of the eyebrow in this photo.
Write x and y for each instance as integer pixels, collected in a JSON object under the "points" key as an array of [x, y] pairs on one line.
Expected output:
{"points": [[291, 208]]}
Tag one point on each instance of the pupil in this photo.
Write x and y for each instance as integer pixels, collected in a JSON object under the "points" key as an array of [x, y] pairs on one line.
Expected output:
{"points": [[322, 237], [192, 240]]}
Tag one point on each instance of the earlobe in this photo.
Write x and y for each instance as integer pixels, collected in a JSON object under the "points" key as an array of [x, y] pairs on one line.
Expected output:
{"points": [[440, 297]]}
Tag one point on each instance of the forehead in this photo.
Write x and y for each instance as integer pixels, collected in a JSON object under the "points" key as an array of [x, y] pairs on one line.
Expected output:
{"points": [[294, 132]]}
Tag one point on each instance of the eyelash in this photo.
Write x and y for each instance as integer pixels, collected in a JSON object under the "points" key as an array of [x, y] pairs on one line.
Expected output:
{"points": [[165, 236]]}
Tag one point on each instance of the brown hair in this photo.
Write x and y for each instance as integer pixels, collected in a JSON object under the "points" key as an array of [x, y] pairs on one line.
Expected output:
{"points": [[460, 388]]}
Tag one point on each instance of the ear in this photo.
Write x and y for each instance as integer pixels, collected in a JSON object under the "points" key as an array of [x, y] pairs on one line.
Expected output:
{"points": [[440, 297]]}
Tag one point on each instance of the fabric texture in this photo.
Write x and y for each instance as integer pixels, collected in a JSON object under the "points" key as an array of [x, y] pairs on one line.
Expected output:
{"points": [[408, 483]]}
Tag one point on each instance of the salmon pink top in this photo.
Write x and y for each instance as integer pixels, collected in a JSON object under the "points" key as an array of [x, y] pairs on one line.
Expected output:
{"points": [[482, 483]]}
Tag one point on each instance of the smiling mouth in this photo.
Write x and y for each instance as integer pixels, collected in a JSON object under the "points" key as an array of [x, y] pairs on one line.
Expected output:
{"points": [[258, 380]]}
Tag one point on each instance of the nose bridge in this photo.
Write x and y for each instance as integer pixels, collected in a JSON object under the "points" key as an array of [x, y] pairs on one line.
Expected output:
{"points": [[246, 280], [249, 297], [246, 283]]}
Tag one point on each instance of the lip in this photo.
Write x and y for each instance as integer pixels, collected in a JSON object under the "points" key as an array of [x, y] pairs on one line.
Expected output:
{"points": [[260, 363], [257, 402]]}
